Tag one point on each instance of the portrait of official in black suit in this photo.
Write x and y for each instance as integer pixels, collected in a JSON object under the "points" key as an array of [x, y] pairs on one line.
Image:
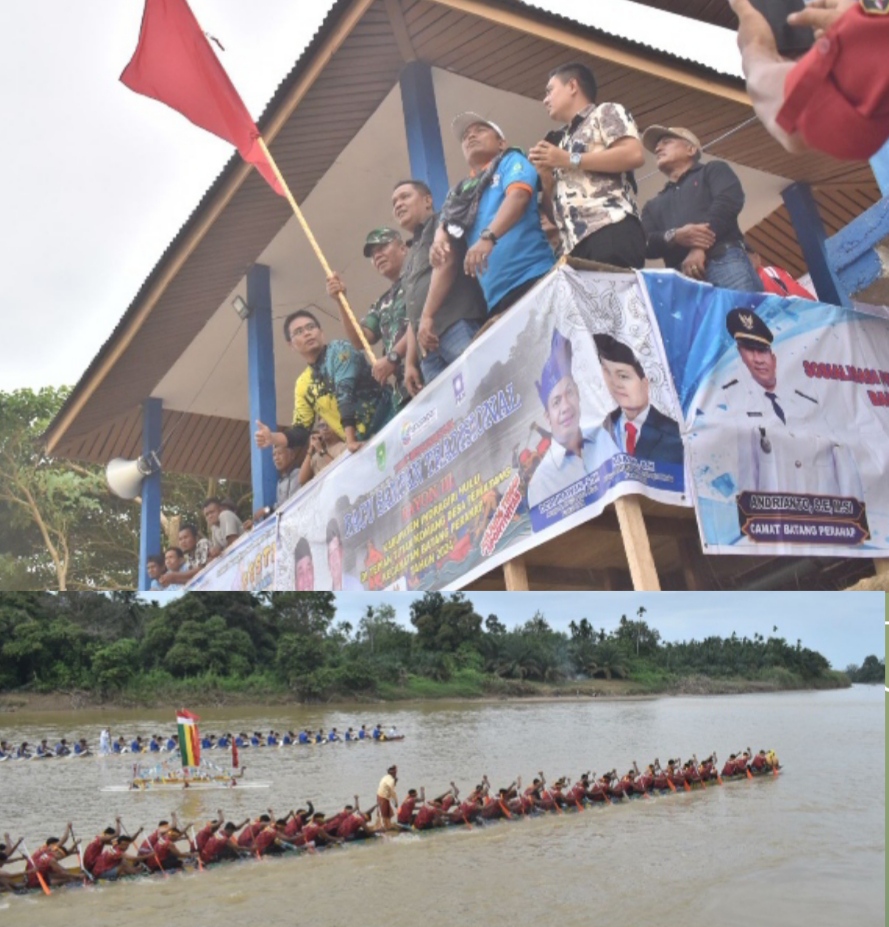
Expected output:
{"points": [[638, 428]]}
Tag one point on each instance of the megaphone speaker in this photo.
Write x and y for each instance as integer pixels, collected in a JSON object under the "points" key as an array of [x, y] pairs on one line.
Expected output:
{"points": [[125, 476]]}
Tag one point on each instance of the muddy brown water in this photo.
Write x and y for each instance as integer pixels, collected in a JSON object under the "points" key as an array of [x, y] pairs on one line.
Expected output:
{"points": [[806, 848]]}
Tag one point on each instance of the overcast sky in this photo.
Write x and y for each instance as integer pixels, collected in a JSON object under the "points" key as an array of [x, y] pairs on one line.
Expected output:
{"points": [[844, 626], [98, 180]]}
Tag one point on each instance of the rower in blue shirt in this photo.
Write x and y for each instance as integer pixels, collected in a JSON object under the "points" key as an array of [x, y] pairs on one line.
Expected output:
{"points": [[81, 748], [271, 740], [303, 737], [154, 745], [62, 748], [241, 741], [319, 737], [255, 740], [42, 750], [333, 736], [206, 743], [224, 742], [362, 734], [136, 745], [378, 732], [287, 739], [172, 744], [350, 735], [23, 753]]}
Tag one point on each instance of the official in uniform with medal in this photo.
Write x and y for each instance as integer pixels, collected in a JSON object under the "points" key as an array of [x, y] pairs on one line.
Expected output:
{"points": [[779, 447]]}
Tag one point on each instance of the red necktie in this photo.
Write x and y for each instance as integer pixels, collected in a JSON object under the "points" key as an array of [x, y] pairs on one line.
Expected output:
{"points": [[631, 438]]}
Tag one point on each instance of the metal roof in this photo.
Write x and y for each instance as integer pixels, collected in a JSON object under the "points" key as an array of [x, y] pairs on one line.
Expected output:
{"points": [[360, 50], [715, 12]]}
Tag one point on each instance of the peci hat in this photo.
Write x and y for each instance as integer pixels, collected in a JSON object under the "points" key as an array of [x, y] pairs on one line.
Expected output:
{"points": [[748, 329], [557, 366], [462, 122], [653, 134], [380, 236]]}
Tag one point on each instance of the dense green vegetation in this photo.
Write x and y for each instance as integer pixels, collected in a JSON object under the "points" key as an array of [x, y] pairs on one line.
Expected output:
{"points": [[872, 671], [60, 525], [214, 645]]}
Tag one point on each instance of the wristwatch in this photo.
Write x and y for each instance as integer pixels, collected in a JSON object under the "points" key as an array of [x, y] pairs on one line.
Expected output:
{"points": [[574, 158], [488, 235], [393, 357], [669, 235]]}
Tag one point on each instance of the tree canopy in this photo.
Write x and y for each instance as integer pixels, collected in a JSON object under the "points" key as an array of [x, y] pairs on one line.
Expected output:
{"points": [[292, 642], [60, 526]]}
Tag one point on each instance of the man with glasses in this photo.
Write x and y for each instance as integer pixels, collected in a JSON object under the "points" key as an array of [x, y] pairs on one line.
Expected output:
{"points": [[337, 385]]}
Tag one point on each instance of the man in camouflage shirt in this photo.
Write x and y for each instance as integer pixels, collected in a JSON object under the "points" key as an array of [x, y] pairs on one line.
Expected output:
{"points": [[586, 171], [386, 320]]}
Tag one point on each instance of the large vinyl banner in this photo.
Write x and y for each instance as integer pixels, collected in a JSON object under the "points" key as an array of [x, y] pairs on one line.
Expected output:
{"points": [[561, 407], [786, 409], [248, 565]]}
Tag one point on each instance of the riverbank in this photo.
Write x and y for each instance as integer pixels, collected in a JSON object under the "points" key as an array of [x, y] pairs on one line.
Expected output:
{"points": [[463, 685]]}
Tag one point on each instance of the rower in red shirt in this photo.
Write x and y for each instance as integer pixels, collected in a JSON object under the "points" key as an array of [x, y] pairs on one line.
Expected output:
{"points": [[113, 861], [407, 808], [221, 845], [314, 832], [248, 835], [46, 861], [97, 845], [357, 825], [298, 820], [270, 840], [430, 815], [165, 854]]}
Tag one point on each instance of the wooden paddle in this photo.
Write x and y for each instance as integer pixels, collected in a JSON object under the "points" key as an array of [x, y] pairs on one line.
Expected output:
{"points": [[37, 872], [694, 756], [153, 850], [87, 876], [192, 842]]}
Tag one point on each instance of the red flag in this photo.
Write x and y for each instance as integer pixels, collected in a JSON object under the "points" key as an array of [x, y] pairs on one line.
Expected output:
{"points": [[175, 64], [234, 754]]}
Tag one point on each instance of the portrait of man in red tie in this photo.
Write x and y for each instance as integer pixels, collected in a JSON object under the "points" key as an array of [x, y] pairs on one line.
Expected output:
{"points": [[638, 428]]}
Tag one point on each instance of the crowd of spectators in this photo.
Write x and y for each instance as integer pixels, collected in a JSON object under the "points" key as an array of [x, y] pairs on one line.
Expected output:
{"points": [[449, 274]]}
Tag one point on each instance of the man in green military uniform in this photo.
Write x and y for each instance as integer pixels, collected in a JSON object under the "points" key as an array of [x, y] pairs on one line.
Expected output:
{"points": [[386, 320]]}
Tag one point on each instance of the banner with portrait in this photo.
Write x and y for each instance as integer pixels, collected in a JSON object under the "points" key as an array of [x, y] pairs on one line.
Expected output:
{"points": [[785, 404], [247, 566], [562, 406]]}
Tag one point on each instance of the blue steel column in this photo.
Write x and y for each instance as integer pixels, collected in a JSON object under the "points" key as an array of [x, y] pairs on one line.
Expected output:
{"points": [[261, 380], [813, 240], [422, 128], [880, 166], [150, 520]]}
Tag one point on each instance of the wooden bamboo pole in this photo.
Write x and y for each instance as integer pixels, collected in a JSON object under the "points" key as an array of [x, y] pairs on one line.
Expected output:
{"points": [[371, 357]]}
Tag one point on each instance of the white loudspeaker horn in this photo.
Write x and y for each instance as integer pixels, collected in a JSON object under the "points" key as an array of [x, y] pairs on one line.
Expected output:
{"points": [[125, 476]]}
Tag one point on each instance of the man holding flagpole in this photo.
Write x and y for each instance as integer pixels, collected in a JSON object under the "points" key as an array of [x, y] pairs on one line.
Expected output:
{"points": [[174, 64]]}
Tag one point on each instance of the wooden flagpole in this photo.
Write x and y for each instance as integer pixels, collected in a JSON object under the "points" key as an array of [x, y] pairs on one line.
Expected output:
{"points": [[316, 248]]}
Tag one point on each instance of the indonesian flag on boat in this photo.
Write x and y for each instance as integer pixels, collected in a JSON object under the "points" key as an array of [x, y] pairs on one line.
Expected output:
{"points": [[189, 738]]}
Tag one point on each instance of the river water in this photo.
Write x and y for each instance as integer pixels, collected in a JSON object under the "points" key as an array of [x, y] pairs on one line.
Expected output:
{"points": [[806, 848]]}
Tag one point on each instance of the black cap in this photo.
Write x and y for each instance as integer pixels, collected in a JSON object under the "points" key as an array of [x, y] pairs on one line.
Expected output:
{"points": [[748, 329]]}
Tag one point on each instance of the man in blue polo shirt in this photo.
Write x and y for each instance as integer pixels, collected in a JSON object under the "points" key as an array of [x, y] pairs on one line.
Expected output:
{"points": [[495, 208]]}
